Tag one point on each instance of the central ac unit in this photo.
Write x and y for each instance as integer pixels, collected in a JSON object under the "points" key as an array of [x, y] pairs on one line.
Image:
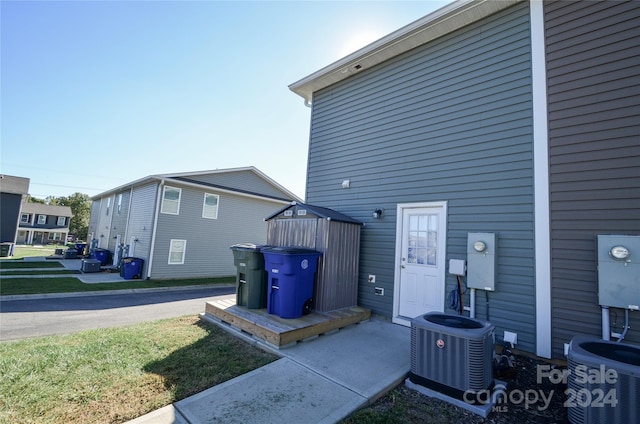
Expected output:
{"points": [[451, 354], [603, 381]]}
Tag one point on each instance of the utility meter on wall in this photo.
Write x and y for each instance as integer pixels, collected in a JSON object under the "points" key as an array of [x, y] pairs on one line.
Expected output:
{"points": [[481, 261], [619, 271]]}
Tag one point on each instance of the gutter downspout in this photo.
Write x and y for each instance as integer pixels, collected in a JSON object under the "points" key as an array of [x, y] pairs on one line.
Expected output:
{"points": [[155, 226], [126, 226]]}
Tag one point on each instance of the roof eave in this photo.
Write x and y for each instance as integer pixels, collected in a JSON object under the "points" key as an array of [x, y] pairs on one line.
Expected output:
{"points": [[434, 25]]}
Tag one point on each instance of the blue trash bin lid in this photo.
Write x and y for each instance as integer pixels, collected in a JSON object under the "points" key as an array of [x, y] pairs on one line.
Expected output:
{"points": [[290, 250]]}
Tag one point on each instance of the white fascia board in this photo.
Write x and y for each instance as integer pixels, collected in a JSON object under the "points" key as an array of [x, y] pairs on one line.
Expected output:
{"points": [[434, 25]]}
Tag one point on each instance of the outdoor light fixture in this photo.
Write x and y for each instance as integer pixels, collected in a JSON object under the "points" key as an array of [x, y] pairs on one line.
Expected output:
{"points": [[479, 246], [377, 214], [619, 252], [346, 183]]}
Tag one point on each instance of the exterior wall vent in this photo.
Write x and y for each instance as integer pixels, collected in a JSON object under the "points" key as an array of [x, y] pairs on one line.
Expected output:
{"points": [[451, 354], [603, 381]]}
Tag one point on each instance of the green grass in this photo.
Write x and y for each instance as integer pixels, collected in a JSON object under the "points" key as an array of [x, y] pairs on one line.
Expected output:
{"points": [[22, 251], [14, 286], [32, 265], [117, 374], [36, 272]]}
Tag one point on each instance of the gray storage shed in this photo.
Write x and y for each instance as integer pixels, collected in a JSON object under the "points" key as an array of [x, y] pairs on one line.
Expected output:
{"points": [[334, 234]]}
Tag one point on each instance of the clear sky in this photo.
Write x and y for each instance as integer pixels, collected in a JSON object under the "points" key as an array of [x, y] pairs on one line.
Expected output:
{"points": [[96, 94]]}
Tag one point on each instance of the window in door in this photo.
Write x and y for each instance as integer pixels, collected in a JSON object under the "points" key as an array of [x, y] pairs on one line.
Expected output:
{"points": [[423, 239]]}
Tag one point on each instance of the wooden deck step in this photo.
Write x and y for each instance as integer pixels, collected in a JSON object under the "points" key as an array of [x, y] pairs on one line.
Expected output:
{"points": [[281, 332]]}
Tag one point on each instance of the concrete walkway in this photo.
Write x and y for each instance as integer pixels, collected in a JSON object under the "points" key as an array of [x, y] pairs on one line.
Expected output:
{"points": [[319, 381], [322, 380]]}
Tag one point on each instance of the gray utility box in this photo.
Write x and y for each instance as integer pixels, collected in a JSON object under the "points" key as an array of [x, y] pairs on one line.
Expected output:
{"points": [[619, 277], [481, 261], [90, 265]]}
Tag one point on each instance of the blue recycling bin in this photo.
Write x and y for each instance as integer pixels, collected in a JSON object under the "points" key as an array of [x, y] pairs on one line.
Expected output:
{"points": [[291, 276], [131, 268], [80, 247], [102, 255]]}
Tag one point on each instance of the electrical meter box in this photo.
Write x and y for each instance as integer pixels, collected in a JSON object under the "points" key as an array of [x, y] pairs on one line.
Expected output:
{"points": [[481, 261], [619, 271]]}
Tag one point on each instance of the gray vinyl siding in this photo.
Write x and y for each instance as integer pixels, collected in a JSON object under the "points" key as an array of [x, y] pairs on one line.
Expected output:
{"points": [[593, 72], [448, 121], [119, 219], [9, 216], [240, 220], [241, 180], [103, 222], [140, 225], [93, 219]]}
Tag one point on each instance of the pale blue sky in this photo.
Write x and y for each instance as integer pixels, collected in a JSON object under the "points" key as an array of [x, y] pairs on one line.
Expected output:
{"points": [[96, 94]]}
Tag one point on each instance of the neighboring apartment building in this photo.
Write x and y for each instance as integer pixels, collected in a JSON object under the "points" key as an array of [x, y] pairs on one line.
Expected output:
{"points": [[43, 224], [12, 191], [183, 225]]}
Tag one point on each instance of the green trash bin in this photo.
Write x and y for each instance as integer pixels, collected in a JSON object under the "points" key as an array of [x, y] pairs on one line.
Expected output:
{"points": [[251, 277], [6, 249]]}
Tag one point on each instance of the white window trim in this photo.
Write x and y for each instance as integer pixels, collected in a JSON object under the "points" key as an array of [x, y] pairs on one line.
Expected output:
{"points": [[25, 215], [119, 203], [204, 205], [44, 220], [108, 205], [184, 251], [162, 202], [63, 221]]}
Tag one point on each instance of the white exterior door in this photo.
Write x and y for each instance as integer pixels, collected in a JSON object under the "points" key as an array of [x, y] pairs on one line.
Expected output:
{"points": [[420, 256]]}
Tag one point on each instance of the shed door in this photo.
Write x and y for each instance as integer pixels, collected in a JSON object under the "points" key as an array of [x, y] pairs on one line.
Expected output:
{"points": [[420, 286]]}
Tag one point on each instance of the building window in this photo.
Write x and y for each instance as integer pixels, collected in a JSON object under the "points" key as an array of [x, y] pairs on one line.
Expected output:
{"points": [[119, 203], [61, 221], [42, 219], [177, 249], [171, 200], [210, 206], [108, 205], [24, 218], [55, 236]]}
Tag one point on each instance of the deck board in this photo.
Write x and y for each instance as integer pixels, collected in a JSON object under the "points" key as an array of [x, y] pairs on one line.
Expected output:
{"points": [[281, 332]]}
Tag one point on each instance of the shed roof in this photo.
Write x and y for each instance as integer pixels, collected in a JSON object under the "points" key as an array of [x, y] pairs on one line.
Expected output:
{"points": [[319, 211], [447, 19]]}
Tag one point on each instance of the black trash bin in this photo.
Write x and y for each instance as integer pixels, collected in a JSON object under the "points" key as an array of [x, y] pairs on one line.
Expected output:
{"points": [[251, 277]]}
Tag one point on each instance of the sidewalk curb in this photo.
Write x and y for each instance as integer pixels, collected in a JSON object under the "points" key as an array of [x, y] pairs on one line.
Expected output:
{"points": [[106, 292]]}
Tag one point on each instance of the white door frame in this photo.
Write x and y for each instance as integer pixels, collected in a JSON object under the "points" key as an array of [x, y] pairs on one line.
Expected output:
{"points": [[442, 243]]}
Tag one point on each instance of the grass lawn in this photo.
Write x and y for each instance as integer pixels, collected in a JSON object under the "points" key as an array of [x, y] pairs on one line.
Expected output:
{"points": [[117, 374], [13, 286], [21, 251], [4, 265]]}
